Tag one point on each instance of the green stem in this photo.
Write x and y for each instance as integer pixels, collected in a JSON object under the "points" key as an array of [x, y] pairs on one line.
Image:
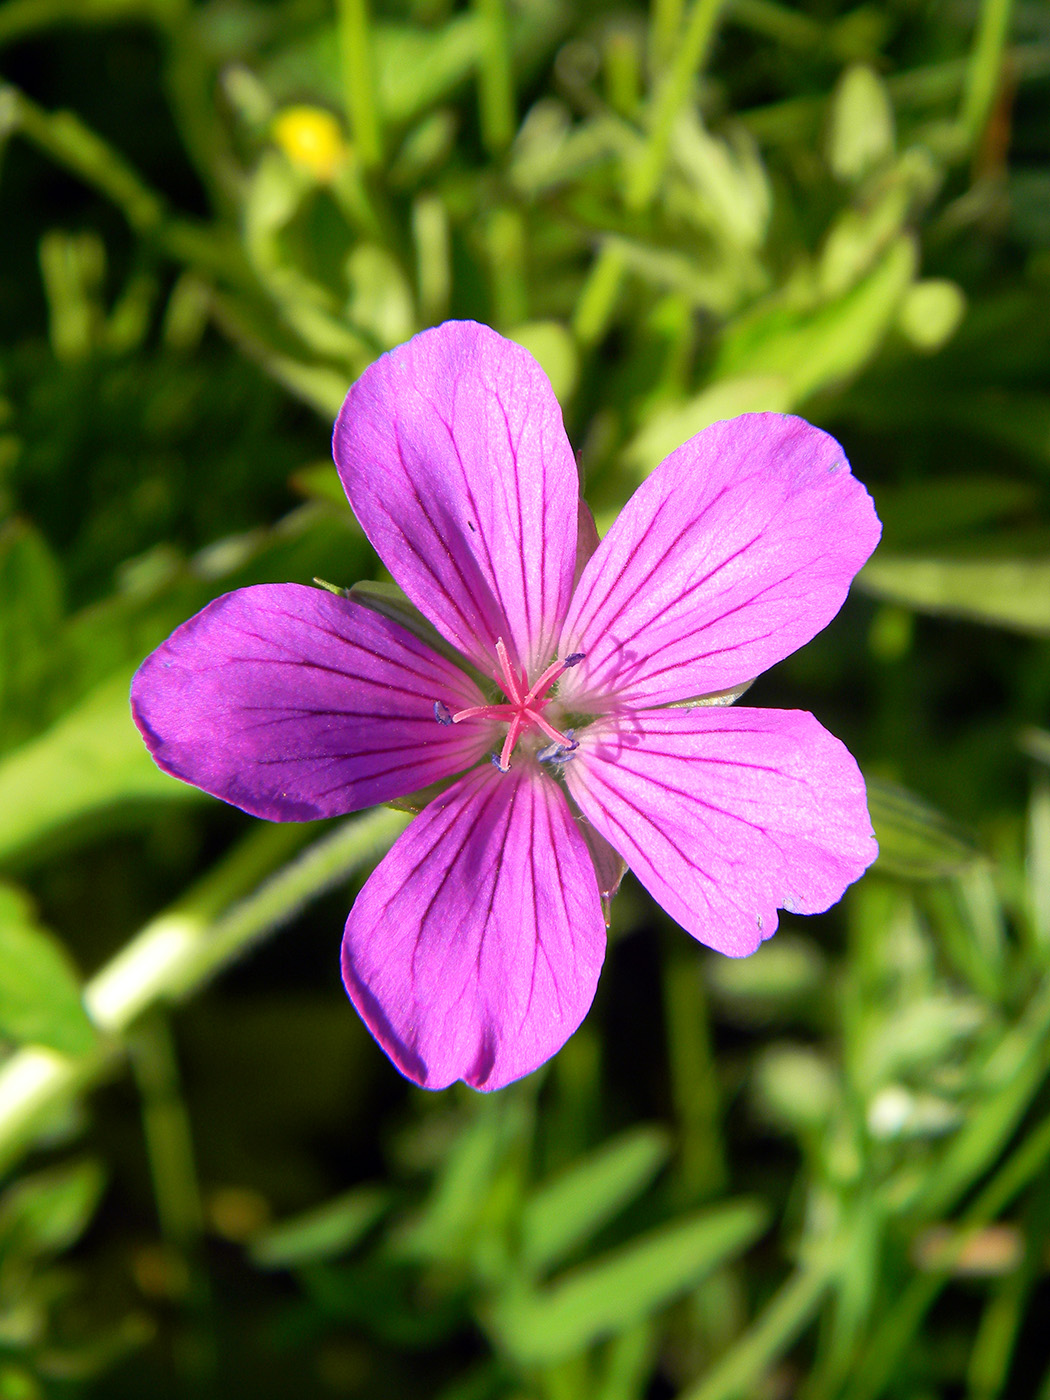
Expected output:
{"points": [[670, 97], [781, 23], [597, 300], [984, 71], [495, 80], [665, 22], [182, 948], [506, 241], [878, 1366], [189, 80], [744, 1364], [169, 1139], [694, 1081], [355, 43], [65, 138], [1014, 1073], [20, 18]]}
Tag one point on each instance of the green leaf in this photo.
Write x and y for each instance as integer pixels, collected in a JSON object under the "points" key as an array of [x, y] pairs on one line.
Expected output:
{"points": [[390, 602], [814, 348], [556, 351], [328, 1231], [1013, 593], [92, 759], [795, 1087], [669, 427], [860, 132], [919, 511], [564, 1212], [30, 615], [1035, 743], [791, 968], [43, 1214], [931, 313], [415, 66], [916, 841], [320, 482], [40, 1001], [445, 1227], [625, 1286]]}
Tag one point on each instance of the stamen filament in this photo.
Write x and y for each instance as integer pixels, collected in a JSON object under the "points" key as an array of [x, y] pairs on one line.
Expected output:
{"points": [[548, 678], [548, 729], [551, 674], [485, 712], [517, 724], [523, 709], [509, 681]]}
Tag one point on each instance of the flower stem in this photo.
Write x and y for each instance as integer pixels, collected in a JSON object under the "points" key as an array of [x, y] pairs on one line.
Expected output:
{"points": [[671, 95], [182, 948], [984, 73], [495, 80], [359, 89], [73, 145], [790, 1310]]}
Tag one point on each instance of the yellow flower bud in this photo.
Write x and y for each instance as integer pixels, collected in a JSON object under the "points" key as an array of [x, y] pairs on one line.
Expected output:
{"points": [[312, 139]]}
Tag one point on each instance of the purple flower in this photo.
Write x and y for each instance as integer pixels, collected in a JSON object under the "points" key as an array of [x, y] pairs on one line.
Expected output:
{"points": [[578, 668]]}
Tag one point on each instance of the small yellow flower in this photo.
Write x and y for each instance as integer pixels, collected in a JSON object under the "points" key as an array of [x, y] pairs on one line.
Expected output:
{"points": [[312, 139]]}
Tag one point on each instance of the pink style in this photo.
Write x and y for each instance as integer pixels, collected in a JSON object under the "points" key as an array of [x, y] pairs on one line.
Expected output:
{"points": [[566, 699]]}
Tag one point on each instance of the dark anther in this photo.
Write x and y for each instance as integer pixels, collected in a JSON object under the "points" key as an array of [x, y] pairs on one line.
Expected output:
{"points": [[442, 713]]}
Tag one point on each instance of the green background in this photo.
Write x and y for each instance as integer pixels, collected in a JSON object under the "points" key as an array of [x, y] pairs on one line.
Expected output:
{"points": [[818, 1173]]}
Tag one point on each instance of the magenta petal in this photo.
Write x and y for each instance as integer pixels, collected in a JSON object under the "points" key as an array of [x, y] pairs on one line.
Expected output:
{"points": [[454, 456], [474, 949], [293, 703], [724, 815], [737, 550]]}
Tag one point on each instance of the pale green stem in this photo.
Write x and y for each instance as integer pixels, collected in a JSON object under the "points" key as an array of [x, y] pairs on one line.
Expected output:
{"points": [[694, 1082], [880, 1361], [433, 241], [673, 92], [789, 1311], [495, 79], [665, 21], [166, 1125], [505, 239], [65, 138], [180, 949], [985, 68], [355, 44], [597, 300]]}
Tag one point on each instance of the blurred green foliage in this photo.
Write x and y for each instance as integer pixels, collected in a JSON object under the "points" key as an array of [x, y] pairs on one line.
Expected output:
{"points": [[818, 1173]]}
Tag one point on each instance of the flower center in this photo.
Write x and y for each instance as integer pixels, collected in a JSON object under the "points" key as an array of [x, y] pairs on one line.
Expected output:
{"points": [[523, 710]]}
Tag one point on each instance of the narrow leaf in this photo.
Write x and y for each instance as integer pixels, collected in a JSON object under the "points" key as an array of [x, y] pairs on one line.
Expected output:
{"points": [[623, 1287], [43, 1214], [564, 1212], [40, 1001], [915, 840], [90, 760], [330, 1230], [1013, 593]]}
